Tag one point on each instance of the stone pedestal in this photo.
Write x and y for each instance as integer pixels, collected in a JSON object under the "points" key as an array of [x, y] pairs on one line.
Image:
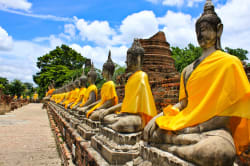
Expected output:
{"points": [[88, 128], [116, 148], [150, 155]]}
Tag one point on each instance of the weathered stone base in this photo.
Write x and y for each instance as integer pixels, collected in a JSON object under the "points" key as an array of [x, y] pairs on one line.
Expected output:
{"points": [[116, 148], [88, 128], [153, 156]]}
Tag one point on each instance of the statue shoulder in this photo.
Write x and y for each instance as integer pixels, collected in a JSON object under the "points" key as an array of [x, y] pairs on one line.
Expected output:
{"points": [[230, 58]]}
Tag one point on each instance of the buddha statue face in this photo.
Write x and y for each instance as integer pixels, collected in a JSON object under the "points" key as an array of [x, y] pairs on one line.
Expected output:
{"points": [[77, 83], [209, 28], [108, 68], [135, 56]]}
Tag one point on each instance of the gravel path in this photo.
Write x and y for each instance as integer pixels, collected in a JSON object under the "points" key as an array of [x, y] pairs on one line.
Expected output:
{"points": [[26, 138]]}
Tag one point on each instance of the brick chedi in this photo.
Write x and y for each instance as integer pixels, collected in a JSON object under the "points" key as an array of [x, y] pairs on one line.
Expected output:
{"points": [[158, 63]]}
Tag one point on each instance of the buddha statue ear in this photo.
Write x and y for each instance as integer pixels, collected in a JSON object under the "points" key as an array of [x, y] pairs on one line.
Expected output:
{"points": [[218, 36]]}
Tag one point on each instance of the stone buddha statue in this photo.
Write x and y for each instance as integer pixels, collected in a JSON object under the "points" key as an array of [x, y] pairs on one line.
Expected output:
{"points": [[138, 105], [75, 93], [108, 93], [82, 86], [68, 89], [214, 90], [61, 95], [90, 95]]}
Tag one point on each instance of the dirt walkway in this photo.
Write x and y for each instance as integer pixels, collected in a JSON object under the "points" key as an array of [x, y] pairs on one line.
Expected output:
{"points": [[26, 138]]}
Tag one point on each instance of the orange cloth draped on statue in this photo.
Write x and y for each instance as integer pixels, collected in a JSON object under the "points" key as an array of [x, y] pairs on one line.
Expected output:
{"points": [[67, 97], [73, 97], [50, 92], [138, 97], [35, 96], [61, 97], [107, 92], [80, 97], [91, 88], [217, 87]]}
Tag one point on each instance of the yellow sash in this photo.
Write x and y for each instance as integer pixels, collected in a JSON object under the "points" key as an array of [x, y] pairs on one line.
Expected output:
{"points": [[80, 97], [72, 97], [107, 92], [87, 93], [138, 97]]}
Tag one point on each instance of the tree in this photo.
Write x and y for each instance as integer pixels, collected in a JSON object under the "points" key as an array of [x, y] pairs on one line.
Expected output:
{"points": [[186, 56], [59, 65], [5, 85], [16, 87], [119, 70], [239, 52], [29, 89]]}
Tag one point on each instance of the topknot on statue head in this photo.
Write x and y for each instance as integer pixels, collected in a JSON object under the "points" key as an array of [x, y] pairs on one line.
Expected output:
{"points": [[109, 65]]}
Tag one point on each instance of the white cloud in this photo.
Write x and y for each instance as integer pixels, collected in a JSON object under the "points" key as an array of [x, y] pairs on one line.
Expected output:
{"points": [[235, 17], [15, 4], [99, 55], [23, 7], [173, 2], [179, 28], [137, 25], [53, 40], [153, 1], [97, 31], [40, 16], [20, 62], [5, 40], [70, 29], [191, 3]]}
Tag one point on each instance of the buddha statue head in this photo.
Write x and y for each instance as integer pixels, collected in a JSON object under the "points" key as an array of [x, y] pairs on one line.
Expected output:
{"points": [[209, 28], [77, 83], [135, 56], [83, 80], [92, 75], [70, 86], [108, 68]]}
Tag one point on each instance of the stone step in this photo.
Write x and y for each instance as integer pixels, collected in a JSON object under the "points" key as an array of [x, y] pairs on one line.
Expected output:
{"points": [[114, 154]]}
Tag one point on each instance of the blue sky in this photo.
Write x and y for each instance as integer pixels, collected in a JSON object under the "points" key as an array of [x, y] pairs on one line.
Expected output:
{"points": [[31, 28]]}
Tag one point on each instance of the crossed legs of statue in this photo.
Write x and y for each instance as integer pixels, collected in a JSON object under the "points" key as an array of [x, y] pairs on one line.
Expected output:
{"points": [[95, 116], [198, 144], [124, 123]]}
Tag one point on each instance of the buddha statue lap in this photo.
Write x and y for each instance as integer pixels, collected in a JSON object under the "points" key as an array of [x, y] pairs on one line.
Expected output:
{"points": [[200, 127]]}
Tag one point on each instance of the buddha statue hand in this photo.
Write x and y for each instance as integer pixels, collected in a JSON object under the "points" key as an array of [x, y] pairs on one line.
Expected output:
{"points": [[108, 111], [103, 113], [218, 122], [150, 128]]}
